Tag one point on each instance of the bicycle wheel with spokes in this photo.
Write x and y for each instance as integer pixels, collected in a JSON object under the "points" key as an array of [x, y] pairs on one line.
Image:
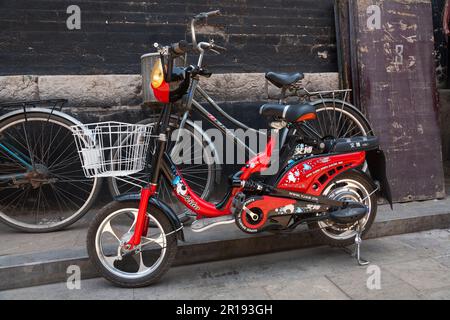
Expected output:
{"points": [[336, 119], [42, 184]]}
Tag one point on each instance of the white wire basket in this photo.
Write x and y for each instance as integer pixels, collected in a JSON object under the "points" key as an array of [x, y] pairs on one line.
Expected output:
{"points": [[112, 149]]}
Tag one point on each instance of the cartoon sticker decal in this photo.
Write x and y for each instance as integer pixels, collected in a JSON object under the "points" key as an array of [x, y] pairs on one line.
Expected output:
{"points": [[181, 190], [289, 209]]}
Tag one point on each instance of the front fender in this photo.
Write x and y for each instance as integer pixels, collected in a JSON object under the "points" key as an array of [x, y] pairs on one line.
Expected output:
{"points": [[171, 215], [376, 162]]}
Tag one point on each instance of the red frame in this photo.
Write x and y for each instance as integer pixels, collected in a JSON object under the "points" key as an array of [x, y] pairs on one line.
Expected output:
{"points": [[310, 179]]}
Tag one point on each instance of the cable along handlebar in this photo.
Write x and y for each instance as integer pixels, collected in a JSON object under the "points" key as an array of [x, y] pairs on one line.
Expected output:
{"points": [[182, 47]]}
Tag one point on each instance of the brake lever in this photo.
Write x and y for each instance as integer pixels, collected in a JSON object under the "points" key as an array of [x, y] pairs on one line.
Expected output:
{"points": [[217, 48]]}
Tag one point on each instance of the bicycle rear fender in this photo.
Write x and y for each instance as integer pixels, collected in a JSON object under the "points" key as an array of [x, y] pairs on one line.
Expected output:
{"points": [[42, 110], [376, 162], [170, 214]]}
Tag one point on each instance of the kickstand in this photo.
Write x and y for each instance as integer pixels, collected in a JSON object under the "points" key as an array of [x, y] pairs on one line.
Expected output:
{"points": [[357, 251]]}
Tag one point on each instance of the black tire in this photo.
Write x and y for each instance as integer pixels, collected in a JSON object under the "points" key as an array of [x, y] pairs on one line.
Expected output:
{"points": [[162, 268], [325, 234], [92, 192], [202, 189]]}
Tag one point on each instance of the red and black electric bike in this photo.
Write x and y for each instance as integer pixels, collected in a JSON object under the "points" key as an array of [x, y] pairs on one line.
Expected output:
{"points": [[133, 240]]}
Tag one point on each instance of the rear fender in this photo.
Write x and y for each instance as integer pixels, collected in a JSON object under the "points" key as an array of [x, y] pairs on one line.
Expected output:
{"points": [[170, 214], [376, 162], [44, 111]]}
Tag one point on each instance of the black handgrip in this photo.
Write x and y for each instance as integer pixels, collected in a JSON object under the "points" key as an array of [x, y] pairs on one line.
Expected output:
{"points": [[213, 13], [205, 15]]}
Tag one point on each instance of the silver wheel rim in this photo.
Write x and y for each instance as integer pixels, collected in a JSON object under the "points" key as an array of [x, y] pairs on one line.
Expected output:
{"points": [[350, 190], [108, 261]]}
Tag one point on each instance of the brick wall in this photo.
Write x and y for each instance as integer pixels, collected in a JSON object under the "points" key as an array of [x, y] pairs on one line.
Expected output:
{"points": [[260, 35]]}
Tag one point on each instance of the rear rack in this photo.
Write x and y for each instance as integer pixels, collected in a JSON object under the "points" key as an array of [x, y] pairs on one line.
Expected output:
{"points": [[54, 104], [342, 95]]}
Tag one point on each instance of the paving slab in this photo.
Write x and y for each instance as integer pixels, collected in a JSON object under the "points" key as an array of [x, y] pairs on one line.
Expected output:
{"points": [[444, 260], [436, 294], [354, 283], [422, 274], [314, 288]]}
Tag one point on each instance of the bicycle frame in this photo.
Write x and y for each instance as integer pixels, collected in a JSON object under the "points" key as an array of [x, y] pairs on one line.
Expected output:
{"points": [[185, 194], [193, 104], [19, 156], [16, 154], [216, 123], [331, 164]]}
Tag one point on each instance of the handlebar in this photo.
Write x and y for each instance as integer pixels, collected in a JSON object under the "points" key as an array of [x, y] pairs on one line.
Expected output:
{"points": [[198, 17], [182, 47]]}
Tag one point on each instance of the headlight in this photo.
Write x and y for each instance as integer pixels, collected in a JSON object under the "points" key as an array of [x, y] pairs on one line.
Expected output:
{"points": [[157, 75]]}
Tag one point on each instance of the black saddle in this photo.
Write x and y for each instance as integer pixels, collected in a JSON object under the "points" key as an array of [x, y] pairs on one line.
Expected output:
{"points": [[284, 79], [290, 113]]}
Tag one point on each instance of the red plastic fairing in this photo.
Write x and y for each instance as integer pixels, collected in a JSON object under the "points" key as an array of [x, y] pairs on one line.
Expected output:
{"points": [[313, 175], [162, 93], [260, 162]]}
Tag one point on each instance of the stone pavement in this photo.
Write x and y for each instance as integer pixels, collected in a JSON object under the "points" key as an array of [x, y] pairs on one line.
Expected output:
{"points": [[412, 266], [38, 259]]}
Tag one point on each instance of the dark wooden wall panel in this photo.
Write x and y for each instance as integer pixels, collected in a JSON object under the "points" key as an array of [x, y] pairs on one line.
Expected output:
{"points": [[398, 91], [260, 35]]}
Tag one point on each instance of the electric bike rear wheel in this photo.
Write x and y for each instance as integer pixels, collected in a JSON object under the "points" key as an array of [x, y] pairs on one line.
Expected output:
{"points": [[350, 186], [113, 227]]}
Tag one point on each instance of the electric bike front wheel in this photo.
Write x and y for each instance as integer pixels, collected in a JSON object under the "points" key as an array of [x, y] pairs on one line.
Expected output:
{"points": [[113, 227], [353, 186]]}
